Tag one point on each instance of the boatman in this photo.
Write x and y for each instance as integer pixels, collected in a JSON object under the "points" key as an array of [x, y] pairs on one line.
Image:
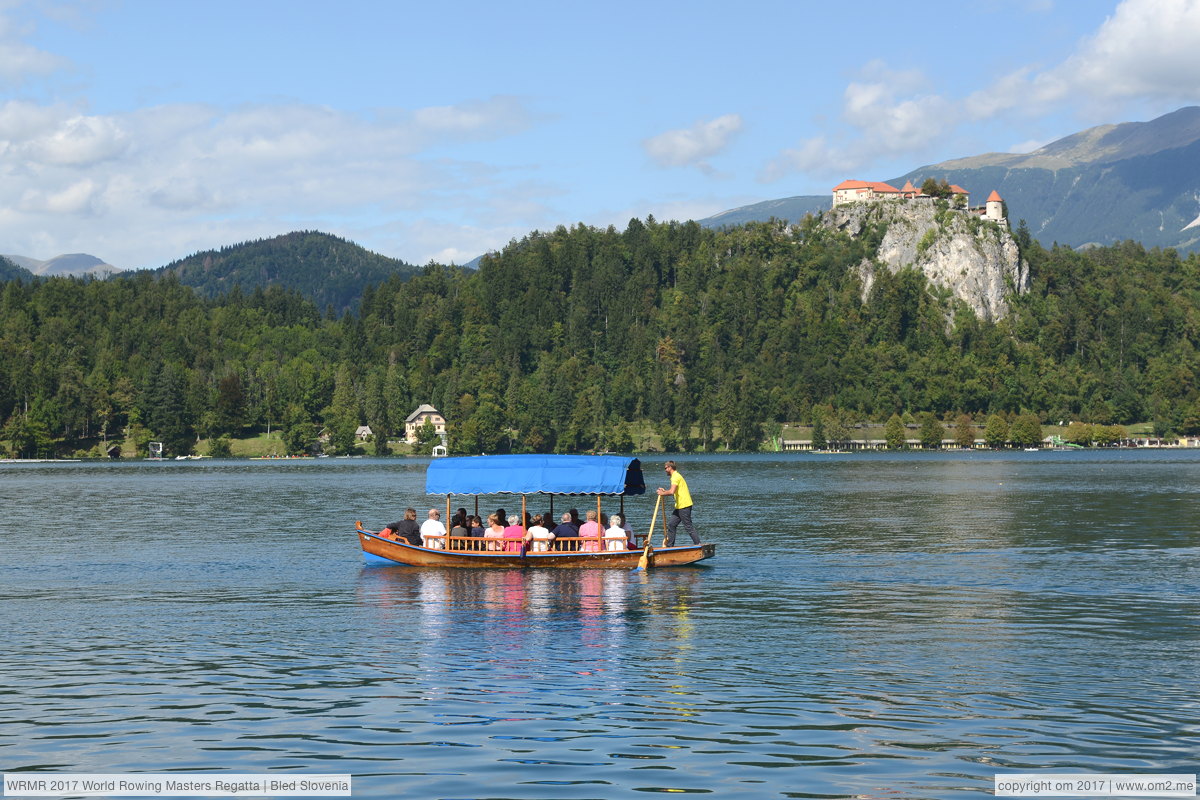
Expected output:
{"points": [[683, 505]]}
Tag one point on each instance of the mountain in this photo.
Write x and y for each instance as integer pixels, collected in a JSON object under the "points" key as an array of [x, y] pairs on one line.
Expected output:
{"points": [[77, 264], [328, 270], [1134, 180], [789, 208], [10, 270]]}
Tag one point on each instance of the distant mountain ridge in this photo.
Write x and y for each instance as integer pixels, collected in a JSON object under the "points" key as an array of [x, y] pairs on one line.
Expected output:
{"points": [[77, 264], [1134, 180], [326, 269]]}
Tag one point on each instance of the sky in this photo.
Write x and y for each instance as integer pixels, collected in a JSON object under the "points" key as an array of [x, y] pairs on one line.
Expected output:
{"points": [[141, 131]]}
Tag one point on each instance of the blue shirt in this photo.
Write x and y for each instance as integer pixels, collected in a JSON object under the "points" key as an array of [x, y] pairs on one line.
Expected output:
{"points": [[565, 529]]}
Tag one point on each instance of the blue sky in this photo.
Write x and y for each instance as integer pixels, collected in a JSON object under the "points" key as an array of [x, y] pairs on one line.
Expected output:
{"points": [[143, 131]]}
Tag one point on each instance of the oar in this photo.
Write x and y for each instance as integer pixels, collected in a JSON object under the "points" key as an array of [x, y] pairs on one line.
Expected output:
{"points": [[644, 561], [664, 508]]}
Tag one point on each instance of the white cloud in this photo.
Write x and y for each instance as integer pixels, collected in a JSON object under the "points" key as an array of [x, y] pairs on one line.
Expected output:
{"points": [[80, 141], [200, 175], [1147, 47], [20, 61], [1145, 50], [1027, 146], [485, 118], [695, 145], [888, 113]]}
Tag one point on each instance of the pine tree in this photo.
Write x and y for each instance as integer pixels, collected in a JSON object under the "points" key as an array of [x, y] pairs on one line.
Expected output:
{"points": [[894, 433]]}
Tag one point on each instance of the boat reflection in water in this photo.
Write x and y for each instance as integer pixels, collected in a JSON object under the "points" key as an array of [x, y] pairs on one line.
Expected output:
{"points": [[504, 631]]}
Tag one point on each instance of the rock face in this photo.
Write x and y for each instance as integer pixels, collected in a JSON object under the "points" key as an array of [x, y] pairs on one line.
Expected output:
{"points": [[977, 260]]}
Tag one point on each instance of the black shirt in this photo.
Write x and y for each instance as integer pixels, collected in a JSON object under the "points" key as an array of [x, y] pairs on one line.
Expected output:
{"points": [[408, 530]]}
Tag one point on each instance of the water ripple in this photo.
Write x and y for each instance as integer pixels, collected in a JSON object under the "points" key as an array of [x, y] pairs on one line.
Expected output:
{"points": [[899, 626]]}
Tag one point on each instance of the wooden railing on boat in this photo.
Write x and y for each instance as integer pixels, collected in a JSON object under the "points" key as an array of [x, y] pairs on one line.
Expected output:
{"points": [[564, 544]]}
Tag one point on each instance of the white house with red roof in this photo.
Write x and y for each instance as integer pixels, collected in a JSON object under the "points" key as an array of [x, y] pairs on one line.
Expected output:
{"points": [[855, 191]]}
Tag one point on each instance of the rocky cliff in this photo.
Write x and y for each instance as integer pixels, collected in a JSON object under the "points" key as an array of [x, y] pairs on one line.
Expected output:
{"points": [[979, 261]]}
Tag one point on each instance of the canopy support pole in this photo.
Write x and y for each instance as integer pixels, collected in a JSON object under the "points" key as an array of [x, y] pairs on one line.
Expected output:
{"points": [[446, 524]]}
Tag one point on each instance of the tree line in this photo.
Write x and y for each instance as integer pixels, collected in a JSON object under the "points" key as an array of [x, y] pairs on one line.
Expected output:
{"points": [[584, 338]]}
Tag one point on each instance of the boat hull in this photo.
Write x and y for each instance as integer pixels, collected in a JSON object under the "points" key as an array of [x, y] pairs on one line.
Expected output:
{"points": [[378, 550]]}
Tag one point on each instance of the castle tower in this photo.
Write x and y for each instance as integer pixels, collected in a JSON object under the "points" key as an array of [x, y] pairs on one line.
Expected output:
{"points": [[995, 208]]}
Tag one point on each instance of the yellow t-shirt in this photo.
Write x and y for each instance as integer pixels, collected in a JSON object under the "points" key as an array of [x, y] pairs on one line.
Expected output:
{"points": [[683, 498]]}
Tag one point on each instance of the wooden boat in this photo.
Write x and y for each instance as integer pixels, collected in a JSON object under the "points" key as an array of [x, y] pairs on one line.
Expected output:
{"points": [[526, 475]]}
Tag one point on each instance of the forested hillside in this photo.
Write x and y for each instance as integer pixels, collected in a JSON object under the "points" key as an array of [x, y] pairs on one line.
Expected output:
{"points": [[10, 271], [565, 339], [325, 268]]}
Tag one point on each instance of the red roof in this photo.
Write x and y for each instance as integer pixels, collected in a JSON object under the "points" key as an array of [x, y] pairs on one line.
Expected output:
{"points": [[994, 197], [878, 186], [956, 189], [908, 187]]}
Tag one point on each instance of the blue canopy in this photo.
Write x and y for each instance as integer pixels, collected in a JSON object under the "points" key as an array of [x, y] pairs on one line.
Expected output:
{"points": [[531, 474]]}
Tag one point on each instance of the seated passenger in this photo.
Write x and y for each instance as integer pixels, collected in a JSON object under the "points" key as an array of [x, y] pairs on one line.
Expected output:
{"points": [[407, 530], [476, 525], [565, 530], [514, 534], [625, 526], [494, 531], [540, 535], [615, 538], [433, 532], [590, 532]]}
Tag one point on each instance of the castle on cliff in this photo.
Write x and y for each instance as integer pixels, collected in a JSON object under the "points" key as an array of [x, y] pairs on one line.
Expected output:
{"points": [[853, 191]]}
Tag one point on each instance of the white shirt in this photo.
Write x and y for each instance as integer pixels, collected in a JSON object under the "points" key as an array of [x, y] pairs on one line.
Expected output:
{"points": [[615, 538], [541, 538], [433, 529]]}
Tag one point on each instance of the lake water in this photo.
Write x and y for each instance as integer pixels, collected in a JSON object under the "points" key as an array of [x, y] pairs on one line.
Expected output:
{"points": [[873, 625]]}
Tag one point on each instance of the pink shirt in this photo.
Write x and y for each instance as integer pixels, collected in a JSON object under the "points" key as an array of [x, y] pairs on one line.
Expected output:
{"points": [[513, 532], [592, 529]]}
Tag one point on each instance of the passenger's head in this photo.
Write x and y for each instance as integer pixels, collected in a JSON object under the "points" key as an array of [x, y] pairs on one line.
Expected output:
{"points": [[493, 519], [591, 515], [410, 513], [616, 520], [513, 519], [566, 517], [434, 513]]}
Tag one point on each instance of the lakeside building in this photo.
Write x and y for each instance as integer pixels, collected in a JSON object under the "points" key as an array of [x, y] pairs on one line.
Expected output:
{"points": [[414, 422]]}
